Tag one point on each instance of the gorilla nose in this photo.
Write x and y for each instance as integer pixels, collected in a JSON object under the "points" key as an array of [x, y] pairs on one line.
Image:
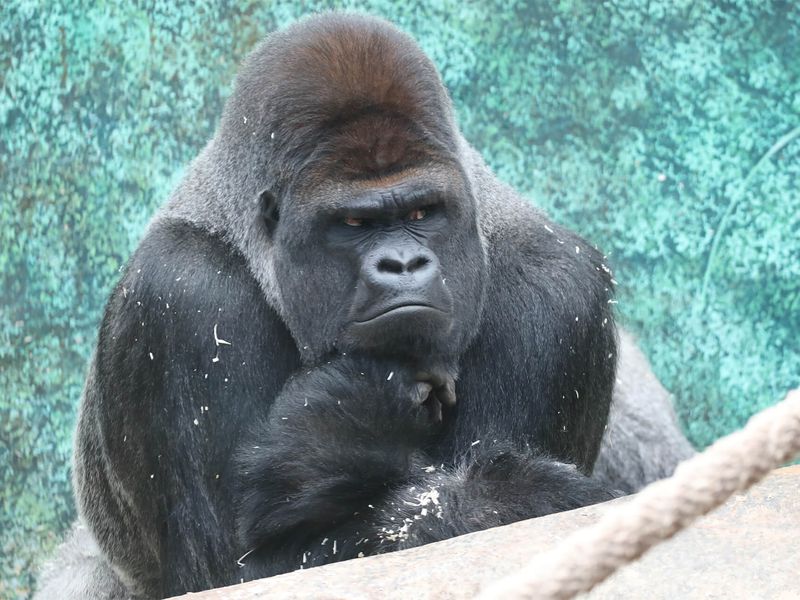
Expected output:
{"points": [[400, 290], [398, 267]]}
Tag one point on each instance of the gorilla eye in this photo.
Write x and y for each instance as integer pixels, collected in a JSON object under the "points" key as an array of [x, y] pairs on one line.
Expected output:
{"points": [[353, 221], [418, 214]]}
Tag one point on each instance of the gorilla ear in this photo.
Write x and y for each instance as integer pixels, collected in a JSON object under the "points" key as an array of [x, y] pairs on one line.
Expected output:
{"points": [[268, 206]]}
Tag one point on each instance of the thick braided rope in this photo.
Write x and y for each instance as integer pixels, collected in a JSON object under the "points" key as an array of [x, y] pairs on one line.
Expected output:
{"points": [[625, 532]]}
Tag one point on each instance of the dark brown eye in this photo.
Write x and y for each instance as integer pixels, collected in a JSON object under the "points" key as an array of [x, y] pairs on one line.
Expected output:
{"points": [[417, 215], [353, 221]]}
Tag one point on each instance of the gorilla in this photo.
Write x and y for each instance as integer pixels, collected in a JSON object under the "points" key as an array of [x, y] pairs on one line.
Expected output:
{"points": [[343, 336]]}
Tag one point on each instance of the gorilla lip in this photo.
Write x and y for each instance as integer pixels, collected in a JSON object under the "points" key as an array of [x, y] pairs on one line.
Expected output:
{"points": [[409, 309]]}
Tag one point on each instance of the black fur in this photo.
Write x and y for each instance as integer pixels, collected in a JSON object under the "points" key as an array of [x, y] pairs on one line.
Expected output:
{"points": [[164, 417], [226, 412], [379, 491]]}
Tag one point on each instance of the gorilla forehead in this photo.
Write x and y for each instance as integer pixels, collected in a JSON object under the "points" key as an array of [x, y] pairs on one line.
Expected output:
{"points": [[305, 82], [443, 183]]}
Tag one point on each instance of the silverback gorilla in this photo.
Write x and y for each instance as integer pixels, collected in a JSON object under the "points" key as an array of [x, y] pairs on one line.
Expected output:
{"points": [[341, 336]]}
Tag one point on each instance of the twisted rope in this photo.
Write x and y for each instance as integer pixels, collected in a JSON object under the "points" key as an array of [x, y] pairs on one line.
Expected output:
{"points": [[625, 532]]}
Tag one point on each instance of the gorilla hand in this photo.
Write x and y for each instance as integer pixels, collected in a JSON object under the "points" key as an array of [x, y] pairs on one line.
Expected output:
{"points": [[437, 388], [339, 437]]}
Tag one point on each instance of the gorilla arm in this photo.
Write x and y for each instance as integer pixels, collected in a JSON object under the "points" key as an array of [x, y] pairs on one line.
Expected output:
{"points": [[339, 470], [643, 441], [163, 406]]}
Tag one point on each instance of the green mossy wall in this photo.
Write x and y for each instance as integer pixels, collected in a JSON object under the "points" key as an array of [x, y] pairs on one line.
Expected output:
{"points": [[665, 131]]}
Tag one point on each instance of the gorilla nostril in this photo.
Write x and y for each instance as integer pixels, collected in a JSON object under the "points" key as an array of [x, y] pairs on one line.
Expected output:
{"points": [[390, 265], [417, 263], [398, 267]]}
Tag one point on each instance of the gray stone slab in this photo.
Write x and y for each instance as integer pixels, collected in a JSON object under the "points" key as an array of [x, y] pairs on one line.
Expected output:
{"points": [[749, 549]]}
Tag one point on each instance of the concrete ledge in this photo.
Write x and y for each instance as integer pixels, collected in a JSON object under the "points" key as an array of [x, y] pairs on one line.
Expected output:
{"points": [[749, 548]]}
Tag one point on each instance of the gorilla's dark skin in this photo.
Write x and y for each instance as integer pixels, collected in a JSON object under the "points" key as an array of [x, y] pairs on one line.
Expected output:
{"points": [[339, 317]]}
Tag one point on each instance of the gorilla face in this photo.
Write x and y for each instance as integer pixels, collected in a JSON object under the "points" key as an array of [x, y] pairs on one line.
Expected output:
{"points": [[391, 265]]}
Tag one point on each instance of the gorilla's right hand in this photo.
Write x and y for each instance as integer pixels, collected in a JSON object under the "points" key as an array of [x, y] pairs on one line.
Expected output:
{"points": [[437, 388], [339, 437]]}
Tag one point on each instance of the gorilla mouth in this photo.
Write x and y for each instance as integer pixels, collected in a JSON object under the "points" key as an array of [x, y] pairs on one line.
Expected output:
{"points": [[408, 309], [409, 324]]}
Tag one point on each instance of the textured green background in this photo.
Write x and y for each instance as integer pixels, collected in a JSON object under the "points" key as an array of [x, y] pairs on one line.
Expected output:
{"points": [[664, 131]]}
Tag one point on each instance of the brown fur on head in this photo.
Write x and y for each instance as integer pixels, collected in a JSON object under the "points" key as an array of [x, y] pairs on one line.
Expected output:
{"points": [[351, 93]]}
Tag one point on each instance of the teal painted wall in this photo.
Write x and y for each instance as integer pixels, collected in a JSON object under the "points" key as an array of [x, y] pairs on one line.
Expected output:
{"points": [[667, 132]]}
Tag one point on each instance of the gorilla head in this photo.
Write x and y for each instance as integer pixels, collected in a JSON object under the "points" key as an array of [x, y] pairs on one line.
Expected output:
{"points": [[350, 185]]}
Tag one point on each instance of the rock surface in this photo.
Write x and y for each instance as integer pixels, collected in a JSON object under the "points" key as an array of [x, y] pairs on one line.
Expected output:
{"points": [[746, 549]]}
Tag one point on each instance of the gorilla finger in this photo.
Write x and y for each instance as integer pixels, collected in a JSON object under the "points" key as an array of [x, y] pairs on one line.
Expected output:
{"points": [[447, 393], [420, 393], [437, 377], [434, 410], [444, 384]]}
